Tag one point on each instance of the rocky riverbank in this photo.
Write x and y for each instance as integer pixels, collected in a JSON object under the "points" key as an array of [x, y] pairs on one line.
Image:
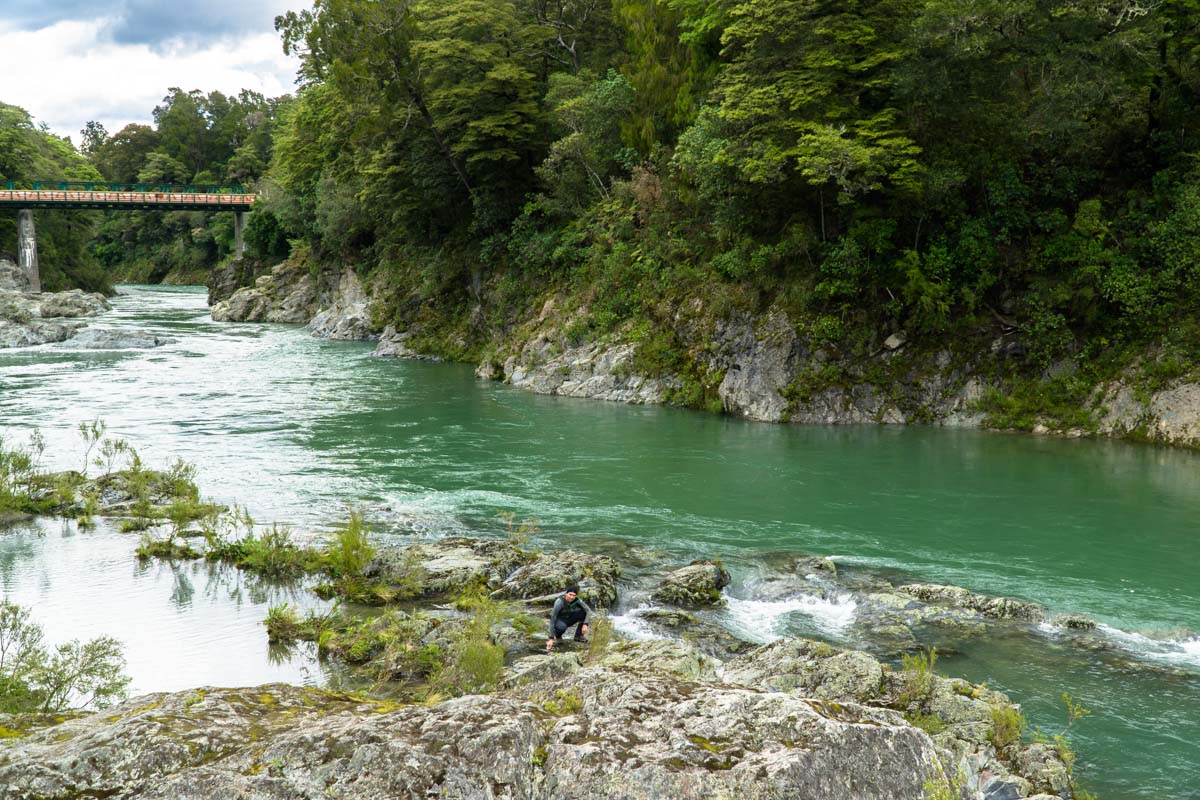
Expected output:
{"points": [[28, 318], [684, 714], [765, 366]]}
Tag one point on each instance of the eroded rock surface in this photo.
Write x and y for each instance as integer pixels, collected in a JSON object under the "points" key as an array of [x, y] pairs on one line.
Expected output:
{"points": [[93, 339], [621, 735], [287, 294], [28, 319], [698, 584]]}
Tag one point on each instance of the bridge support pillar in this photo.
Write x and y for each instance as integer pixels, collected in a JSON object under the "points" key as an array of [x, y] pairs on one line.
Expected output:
{"points": [[27, 258], [239, 240]]}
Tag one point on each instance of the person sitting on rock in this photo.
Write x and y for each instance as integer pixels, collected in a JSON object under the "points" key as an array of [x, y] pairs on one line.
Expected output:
{"points": [[569, 610]]}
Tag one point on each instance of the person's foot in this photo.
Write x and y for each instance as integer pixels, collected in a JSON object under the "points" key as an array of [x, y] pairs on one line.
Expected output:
{"points": [[581, 640]]}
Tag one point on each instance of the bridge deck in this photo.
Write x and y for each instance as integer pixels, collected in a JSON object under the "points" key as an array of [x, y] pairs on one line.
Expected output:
{"points": [[43, 198]]}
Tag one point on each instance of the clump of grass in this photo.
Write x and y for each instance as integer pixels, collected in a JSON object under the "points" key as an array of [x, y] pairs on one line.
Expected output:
{"points": [[283, 624], [347, 552], [930, 723], [476, 664], [167, 548], [564, 703]]}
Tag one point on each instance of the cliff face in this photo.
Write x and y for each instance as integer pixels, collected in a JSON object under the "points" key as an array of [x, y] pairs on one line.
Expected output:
{"points": [[760, 366]]}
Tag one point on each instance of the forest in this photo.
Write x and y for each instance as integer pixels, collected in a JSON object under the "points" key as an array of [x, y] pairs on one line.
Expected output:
{"points": [[931, 166]]}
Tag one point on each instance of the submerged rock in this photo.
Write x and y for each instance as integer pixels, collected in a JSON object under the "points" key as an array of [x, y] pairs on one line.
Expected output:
{"points": [[698, 584], [994, 607]]}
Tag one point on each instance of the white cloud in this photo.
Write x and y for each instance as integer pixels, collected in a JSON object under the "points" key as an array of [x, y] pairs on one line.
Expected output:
{"points": [[72, 71]]}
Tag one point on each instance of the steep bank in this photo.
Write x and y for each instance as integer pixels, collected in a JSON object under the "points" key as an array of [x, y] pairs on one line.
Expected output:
{"points": [[714, 350]]}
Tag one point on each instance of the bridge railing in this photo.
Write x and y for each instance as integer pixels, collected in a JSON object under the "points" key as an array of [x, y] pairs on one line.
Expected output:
{"points": [[145, 188]]}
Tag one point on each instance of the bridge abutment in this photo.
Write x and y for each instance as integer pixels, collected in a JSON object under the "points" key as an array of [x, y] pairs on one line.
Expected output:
{"points": [[27, 258]]}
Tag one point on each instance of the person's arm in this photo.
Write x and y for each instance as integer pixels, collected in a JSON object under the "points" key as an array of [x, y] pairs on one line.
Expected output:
{"points": [[587, 611], [558, 606]]}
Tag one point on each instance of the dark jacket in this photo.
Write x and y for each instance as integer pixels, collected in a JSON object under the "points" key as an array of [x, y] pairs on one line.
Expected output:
{"points": [[561, 606]]}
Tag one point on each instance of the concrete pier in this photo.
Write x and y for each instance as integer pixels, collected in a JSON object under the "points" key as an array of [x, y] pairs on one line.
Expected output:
{"points": [[27, 258], [239, 241]]}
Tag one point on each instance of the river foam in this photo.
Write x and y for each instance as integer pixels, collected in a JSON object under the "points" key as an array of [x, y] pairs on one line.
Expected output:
{"points": [[764, 620], [1184, 651]]}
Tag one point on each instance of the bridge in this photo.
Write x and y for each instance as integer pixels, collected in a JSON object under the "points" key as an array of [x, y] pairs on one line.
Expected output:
{"points": [[116, 196]]}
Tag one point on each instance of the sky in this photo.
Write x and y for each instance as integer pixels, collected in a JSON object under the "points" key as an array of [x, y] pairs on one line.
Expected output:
{"points": [[70, 61]]}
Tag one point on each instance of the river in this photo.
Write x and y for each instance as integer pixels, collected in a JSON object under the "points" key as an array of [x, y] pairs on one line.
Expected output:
{"points": [[299, 429]]}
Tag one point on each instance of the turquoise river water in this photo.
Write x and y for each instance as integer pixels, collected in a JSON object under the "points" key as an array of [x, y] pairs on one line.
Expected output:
{"points": [[298, 429]]}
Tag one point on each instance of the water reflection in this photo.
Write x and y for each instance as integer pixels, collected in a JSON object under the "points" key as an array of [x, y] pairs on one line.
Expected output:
{"points": [[183, 623]]}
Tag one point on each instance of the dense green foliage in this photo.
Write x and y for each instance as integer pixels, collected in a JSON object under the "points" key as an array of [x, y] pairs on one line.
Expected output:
{"points": [[938, 167], [28, 153], [196, 138], [873, 165]]}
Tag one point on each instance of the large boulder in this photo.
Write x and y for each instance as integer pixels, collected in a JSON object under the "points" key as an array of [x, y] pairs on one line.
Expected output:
{"points": [[447, 566], [94, 339], [548, 574], [810, 669], [288, 294], [13, 278], [73, 303], [637, 736], [28, 319], [698, 584]]}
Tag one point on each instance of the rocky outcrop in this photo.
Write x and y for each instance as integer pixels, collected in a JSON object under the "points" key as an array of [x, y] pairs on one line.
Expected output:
{"points": [[287, 294], [698, 584], [332, 306], [994, 607], [94, 339], [346, 317], [811, 669], [596, 371], [621, 735], [396, 344], [546, 576], [13, 278], [28, 319], [447, 567]]}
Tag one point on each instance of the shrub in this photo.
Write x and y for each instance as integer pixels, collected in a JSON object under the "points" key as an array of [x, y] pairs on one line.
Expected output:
{"points": [[1007, 726], [476, 664], [72, 675], [930, 723], [919, 678], [273, 554]]}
